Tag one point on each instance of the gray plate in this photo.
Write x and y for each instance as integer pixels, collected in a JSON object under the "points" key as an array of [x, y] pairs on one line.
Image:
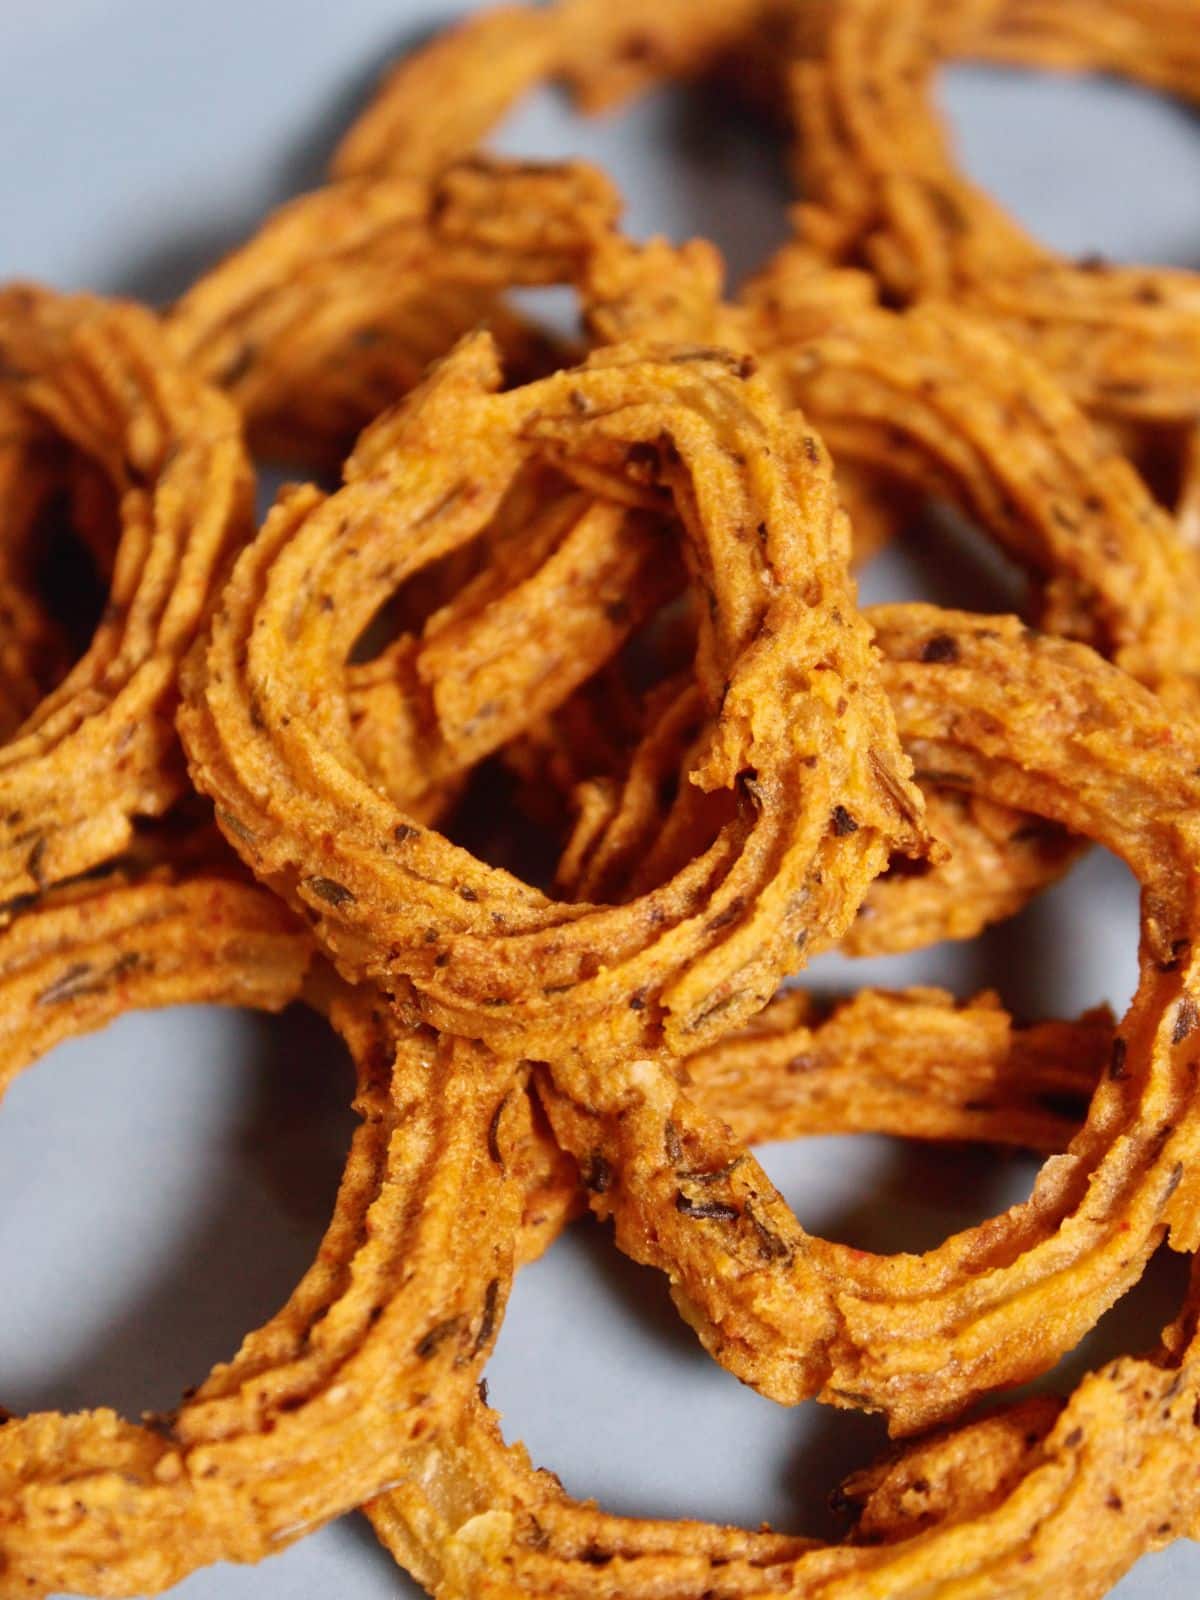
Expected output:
{"points": [[164, 1183]]}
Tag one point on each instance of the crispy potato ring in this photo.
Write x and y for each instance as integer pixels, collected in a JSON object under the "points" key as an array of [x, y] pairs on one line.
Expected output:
{"points": [[945, 402], [102, 1506], [1044, 1500], [101, 750], [488, 956], [407, 1281], [917, 1337], [886, 192], [471, 1517], [791, 1343]]}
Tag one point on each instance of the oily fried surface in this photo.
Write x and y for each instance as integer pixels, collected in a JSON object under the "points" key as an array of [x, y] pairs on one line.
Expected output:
{"points": [[780, 646], [917, 1336], [478, 586]]}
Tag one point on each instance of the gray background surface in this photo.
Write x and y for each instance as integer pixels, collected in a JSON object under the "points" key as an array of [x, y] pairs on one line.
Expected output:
{"points": [[164, 1183]]}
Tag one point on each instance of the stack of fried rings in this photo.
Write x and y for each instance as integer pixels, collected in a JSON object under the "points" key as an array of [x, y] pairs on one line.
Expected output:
{"points": [[507, 1046]]}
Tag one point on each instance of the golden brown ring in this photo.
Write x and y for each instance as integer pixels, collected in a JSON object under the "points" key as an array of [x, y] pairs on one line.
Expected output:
{"points": [[785, 1318], [100, 750], [799, 731], [885, 191], [1044, 1500], [316, 1409], [1045, 727], [1152, 41]]}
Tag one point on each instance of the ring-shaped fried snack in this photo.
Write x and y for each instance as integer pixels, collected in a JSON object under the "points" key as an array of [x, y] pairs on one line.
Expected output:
{"points": [[100, 750], [884, 190], [318, 1406], [1046, 1499], [799, 731], [880, 183], [470, 1516], [288, 1433], [625, 839], [1045, 727], [944, 402], [915, 1338]]}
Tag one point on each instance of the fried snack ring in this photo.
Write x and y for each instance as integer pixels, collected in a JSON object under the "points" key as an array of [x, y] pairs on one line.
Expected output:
{"points": [[470, 1516], [1041, 1501], [915, 1063], [918, 1336], [342, 299], [781, 657], [886, 192], [941, 400], [1124, 340], [997, 861], [938, 400], [406, 1283], [101, 1506], [100, 750], [823, 1351]]}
